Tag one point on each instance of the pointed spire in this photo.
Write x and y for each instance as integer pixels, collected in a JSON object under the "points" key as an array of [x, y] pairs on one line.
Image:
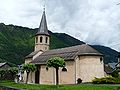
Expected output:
{"points": [[43, 30]]}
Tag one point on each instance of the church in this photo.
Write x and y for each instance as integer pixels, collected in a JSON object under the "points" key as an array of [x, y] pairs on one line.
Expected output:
{"points": [[82, 61]]}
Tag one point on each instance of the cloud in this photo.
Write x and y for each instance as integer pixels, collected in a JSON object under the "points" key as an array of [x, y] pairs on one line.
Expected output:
{"points": [[93, 21]]}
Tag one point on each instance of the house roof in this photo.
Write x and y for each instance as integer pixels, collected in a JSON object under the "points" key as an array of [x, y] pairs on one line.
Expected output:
{"points": [[118, 65], [32, 54], [112, 65], [43, 30], [2, 64], [108, 69], [68, 53]]}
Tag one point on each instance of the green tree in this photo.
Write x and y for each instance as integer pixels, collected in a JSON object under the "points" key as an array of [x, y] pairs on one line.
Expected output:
{"points": [[13, 71], [28, 68], [56, 62], [2, 72]]}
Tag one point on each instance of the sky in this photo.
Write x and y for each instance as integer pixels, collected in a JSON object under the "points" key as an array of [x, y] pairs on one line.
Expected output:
{"points": [[95, 22]]}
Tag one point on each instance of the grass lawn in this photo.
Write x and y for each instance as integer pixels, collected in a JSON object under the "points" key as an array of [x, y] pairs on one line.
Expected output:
{"points": [[62, 87]]}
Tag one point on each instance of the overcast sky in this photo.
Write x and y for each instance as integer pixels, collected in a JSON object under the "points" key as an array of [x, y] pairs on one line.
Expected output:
{"points": [[92, 21]]}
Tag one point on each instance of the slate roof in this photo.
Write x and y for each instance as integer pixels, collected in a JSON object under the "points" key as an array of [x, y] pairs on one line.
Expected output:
{"points": [[43, 30], [68, 53], [32, 54]]}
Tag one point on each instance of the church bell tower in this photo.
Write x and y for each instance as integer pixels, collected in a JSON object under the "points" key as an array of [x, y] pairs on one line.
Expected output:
{"points": [[42, 39]]}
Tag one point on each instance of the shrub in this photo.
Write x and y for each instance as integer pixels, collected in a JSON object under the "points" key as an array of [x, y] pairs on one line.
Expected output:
{"points": [[2, 72], [79, 80], [106, 80], [8, 74], [115, 74], [13, 70]]}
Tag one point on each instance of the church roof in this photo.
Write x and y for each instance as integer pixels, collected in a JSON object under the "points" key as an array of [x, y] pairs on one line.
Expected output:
{"points": [[68, 53], [43, 30], [32, 54]]}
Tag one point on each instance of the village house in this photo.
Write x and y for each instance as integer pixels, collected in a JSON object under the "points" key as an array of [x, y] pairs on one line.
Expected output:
{"points": [[118, 64], [5, 76], [82, 61], [4, 65]]}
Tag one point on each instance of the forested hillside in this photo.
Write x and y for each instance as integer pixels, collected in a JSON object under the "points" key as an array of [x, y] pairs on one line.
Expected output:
{"points": [[16, 42]]}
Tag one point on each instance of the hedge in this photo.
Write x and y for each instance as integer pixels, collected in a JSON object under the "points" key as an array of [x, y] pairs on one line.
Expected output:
{"points": [[106, 80], [8, 74]]}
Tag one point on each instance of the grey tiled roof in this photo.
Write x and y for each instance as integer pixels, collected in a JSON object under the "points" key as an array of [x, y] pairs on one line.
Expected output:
{"points": [[32, 54], [68, 53], [1, 64], [43, 30]]}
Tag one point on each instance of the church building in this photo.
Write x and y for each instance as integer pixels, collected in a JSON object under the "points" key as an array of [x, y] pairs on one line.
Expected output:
{"points": [[82, 61]]}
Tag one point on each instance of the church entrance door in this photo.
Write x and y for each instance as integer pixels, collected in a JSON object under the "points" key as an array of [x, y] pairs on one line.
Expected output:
{"points": [[37, 75]]}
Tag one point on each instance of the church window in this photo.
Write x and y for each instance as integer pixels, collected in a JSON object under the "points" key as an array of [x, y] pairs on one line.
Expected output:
{"points": [[64, 69], [46, 40], [36, 39], [101, 59], [41, 38]]}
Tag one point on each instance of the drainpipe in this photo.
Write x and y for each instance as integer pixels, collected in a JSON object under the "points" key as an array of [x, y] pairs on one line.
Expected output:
{"points": [[53, 76], [75, 69]]}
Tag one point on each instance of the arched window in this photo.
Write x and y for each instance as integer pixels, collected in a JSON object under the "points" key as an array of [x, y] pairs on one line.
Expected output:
{"points": [[101, 59], [36, 39], [64, 69], [41, 38], [46, 40]]}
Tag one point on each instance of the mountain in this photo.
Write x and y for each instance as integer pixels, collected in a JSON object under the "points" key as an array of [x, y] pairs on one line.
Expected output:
{"points": [[16, 42], [110, 55]]}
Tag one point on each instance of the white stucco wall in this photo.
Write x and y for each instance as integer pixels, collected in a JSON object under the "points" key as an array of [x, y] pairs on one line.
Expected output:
{"points": [[69, 76], [84, 67], [90, 67], [47, 76]]}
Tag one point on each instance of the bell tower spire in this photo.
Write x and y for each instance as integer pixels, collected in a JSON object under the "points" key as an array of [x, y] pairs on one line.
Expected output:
{"points": [[42, 35]]}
